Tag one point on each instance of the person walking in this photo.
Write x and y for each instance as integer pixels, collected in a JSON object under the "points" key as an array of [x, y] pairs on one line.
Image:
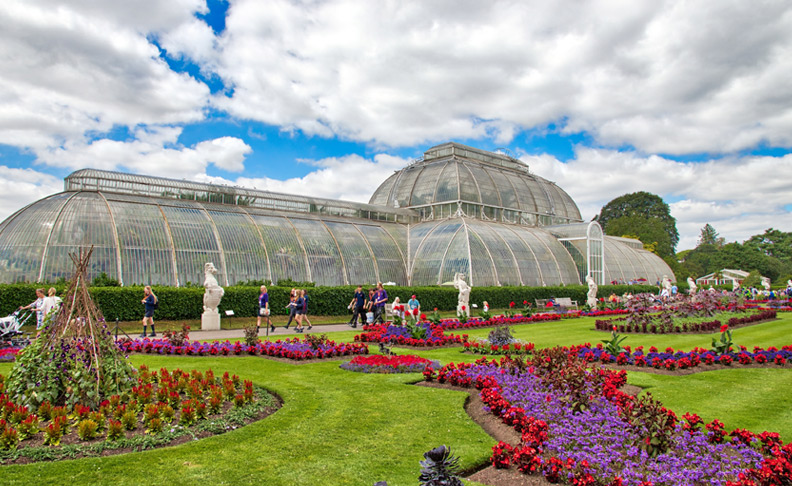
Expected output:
{"points": [[369, 307], [38, 307], [380, 299], [292, 306], [358, 306], [264, 310], [150, 302], [51, 305], [304, 296], [299, 303]]}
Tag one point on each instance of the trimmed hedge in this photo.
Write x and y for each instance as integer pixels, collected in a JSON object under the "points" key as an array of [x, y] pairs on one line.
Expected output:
{"points": [[176, 303]]}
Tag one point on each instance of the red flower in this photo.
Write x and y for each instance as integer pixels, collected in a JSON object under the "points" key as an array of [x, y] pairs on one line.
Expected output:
{"points": [[415, 311], [724, 327], [525, 302], [614, 328], [463, 307], [423, 317], [511, 304]]}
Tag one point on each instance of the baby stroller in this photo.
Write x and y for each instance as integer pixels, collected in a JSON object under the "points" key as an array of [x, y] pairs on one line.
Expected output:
{"points": [[11, 334]]}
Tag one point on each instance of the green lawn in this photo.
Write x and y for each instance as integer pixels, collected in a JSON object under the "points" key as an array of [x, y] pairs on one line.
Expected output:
{"points": [[338, 427]]}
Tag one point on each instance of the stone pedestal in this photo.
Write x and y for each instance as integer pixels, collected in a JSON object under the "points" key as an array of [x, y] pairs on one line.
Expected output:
{"points": [[210, 321]]}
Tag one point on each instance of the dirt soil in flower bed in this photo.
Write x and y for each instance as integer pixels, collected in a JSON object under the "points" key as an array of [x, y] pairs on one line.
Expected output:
{"points": [[692, 371], [748, 324], [73, 438]]}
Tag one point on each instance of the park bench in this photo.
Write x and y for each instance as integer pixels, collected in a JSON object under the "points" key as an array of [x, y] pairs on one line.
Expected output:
{"points": [[561, 303]]}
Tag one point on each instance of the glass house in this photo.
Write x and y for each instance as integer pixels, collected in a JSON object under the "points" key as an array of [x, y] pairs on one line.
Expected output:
{"points": [[457, 209]]}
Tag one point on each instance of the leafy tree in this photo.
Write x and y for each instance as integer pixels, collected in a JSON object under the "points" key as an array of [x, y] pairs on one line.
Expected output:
{"points": [[651, 231], [773, 243], [710, 237], [647, 207]]}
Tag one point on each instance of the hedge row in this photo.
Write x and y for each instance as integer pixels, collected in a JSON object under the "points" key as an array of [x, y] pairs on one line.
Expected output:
{"points": [[176, 303]]}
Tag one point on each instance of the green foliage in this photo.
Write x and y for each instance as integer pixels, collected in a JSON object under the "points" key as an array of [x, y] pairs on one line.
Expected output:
{"points": [[180, 303], [709, 236], [440, 468], [652, 232], [647, 207], [416, 332], [500, 336], [754, 279], [86, 429], [613, 345], [724, 343], [104, 281], [9, 438]]}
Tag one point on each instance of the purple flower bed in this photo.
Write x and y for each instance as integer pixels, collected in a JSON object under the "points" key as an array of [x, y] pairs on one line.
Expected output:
{"points": [[601, 442], [288, 348]]}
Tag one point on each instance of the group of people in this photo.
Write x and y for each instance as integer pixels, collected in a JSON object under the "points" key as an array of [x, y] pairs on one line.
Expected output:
{"points": [[298, 310], [46, 306], [361, 304]]}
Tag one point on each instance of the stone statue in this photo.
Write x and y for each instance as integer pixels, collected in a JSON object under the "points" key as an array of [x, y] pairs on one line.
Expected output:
{"points": [[766, 284], [667, 284], [789, 283], [735, 285], [591, 297], [210, 319], [463, 301], [692, 285]]}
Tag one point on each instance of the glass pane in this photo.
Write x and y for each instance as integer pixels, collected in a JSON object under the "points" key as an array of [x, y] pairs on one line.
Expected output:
{"points": [[323, 255], [23, 237], [505, 264], [358, 259], [85, 221], [457, 258], [430, 250], [390, 263], [195, 243], [245, 257], [146, 256], [286, 254]]}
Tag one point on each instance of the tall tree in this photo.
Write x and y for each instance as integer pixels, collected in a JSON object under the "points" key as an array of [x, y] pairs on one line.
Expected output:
{"points": [[773, 243], [644, 207], [709, 236]]}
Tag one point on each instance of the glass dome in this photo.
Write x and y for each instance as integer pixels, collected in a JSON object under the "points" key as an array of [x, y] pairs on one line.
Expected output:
{"points": [[455, 180], [626, 260]]}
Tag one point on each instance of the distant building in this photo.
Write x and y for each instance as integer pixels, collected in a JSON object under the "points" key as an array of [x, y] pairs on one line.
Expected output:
{"points": [[722, 277], [457, 209]]}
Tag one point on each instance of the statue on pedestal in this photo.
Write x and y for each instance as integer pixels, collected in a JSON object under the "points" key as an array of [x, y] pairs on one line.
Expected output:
{"points": [[210, 319], [766, 284], [463, 301], [692, 285], [591, 296], [735, 285]]}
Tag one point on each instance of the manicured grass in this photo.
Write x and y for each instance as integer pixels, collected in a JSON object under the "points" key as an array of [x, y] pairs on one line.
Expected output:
{"points": [[339, 427]]}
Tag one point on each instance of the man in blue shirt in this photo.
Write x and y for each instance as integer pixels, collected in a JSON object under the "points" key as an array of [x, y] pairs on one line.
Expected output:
{"points": [[358, 306], [380, 299]]}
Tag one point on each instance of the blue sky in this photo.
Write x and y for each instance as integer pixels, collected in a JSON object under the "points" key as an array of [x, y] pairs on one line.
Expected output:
{"points": [[688, 101]]}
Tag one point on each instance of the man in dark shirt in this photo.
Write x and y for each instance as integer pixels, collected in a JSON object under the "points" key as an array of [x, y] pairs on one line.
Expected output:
{"points": [[358, 306], [380, 299]]}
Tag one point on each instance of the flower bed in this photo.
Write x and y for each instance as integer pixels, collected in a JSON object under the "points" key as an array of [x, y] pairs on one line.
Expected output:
{"points": [[671, 359], [433, 335], [479, 347], [9, 354], [162, 407], [693, 327], [389, 364], [578, 428], [295, 348]]}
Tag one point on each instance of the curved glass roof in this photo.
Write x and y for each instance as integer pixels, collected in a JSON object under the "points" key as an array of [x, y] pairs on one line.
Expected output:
{"points": [[140, 185], [144, 240], [624, 262], [489, 254], [455, 173]]}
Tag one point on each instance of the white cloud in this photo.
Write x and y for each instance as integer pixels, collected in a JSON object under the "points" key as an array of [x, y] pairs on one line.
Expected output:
{"points": [[351, 178], [665, 77], [153, 151], [740, 197], [20, 187], [70, 69]]}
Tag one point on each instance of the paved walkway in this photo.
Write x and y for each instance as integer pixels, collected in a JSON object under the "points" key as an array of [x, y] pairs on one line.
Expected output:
{"points": [[223, 334]]}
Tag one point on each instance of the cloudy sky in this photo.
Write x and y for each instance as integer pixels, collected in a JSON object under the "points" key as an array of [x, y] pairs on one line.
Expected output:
{"points": [[688, 100]]}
